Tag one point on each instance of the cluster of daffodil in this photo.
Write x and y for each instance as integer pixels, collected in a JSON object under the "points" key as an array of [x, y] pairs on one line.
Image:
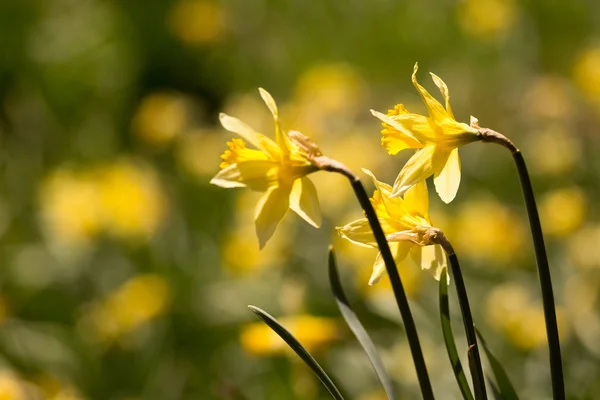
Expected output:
{"points": [[397, 217], [280, 168]]}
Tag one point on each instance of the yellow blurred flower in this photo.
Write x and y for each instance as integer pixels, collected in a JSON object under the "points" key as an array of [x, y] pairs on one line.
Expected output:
{"points": [[55, 389], [132, 202], [330, 88], [313, 332], [511, 310], [407, 225], [277, 168], [437, 137], [486, 18], [584, 249], [549, 96], [487, 230], [160, 117], [562, 211], [586, 73], [197, 22], [70, 207], [131, 306], [196, 151], [553, 150], [11, 387]]}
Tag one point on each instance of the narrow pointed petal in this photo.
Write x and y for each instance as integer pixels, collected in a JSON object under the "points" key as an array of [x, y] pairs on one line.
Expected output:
{"points": [[418, 168], [256, 174], [448, 179], [444, 90], [358, 232], [434, 108], [234, 125], [404, 138], [393, 208], [416, 199], [399, 249], [271, 209], [304, 201], [229, 177], [281, 137]]}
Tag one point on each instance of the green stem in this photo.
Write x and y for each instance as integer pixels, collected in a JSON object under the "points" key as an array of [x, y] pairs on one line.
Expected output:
{"points": [[330, 165], [465, 309], [556, 371]]}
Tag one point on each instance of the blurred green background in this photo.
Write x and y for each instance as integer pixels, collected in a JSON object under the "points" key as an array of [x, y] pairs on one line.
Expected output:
{"points": [[125, 275]]}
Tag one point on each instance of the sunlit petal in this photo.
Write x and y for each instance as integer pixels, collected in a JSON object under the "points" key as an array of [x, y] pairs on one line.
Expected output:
{"points": [[399, 251], [434, 108], [229, 177], [304, 201], [394, 207], [448, 179], [234, 125], [282, 140], [358, 232], [416, 199], [410, 140], [431, 258], [271, 209], [444, 90], [418, 168]]}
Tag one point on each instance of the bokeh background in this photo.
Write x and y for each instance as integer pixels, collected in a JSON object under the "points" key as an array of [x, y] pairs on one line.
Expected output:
{"points": [[125, 275]]}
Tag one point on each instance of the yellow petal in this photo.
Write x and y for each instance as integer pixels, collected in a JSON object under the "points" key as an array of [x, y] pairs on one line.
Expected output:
{"points": [[418, 168], [358, 232], [444, 90], [431, 258], [448, 179], [395, 136], [394, 207], [229, 177], [399, 250], [269, 211], [304, 201], [238, 152], [281, 137], [434, 108], [234, 125], [256, 174], [416, 199]]}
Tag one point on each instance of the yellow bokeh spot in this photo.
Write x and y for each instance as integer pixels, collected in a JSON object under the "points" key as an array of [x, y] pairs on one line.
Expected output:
{"points": [[549, 96], [486, 18], [584, 249], [132, 202], [132, 305], [11, 387], [562, 211], [313, 332], [160, 117], [197, 22], [486, 230], [198, 152], [69, 206], [587, 74], [553, 150]]}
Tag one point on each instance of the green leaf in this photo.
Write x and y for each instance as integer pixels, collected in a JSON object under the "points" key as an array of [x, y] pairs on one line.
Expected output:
{"points": [[504, 387], [457, 368], [298, 349], [359, 331]]}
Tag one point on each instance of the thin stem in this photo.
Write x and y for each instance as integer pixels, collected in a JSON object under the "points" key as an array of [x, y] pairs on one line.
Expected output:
{"points": [[463, 300], [330, 165], [556, 371]]}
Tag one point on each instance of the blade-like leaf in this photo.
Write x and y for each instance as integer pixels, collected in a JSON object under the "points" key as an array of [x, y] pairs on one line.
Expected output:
{"points": [[457, 368], [354, 323], [504, 386], [298, 349]]}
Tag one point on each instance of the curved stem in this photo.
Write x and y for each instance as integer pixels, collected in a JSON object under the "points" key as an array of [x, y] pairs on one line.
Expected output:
{"points": [[327, 164], [556, 371], [463, 300]]}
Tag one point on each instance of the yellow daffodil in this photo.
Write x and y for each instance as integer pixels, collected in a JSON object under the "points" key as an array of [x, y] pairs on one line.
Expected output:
{"points": [[437, 137], [277, 168], [407, 226]]}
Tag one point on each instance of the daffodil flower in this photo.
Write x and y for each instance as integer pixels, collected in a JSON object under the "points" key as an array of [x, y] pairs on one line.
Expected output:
{"points": [[437, 137], [277, 168], [407, 226]]}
